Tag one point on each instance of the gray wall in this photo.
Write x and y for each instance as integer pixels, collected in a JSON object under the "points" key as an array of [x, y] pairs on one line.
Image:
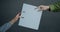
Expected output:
{"points": [[50, 21]]}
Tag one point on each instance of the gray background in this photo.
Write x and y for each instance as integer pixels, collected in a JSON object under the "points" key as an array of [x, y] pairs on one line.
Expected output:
{"points": [[50, 21]]}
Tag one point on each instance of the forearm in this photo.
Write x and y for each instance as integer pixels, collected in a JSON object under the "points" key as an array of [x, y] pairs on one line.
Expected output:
{"points": [[55, 7], [5, 27]]}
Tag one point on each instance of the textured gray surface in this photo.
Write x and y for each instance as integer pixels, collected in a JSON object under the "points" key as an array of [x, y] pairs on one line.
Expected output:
{"points": [[50, 21], [8, 9]]}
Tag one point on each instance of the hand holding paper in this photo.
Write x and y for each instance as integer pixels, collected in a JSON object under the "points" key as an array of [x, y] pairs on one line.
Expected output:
{"points": [[30, 17]]}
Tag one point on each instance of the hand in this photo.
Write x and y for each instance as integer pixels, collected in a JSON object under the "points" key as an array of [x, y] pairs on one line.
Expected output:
{"points": [[15, 18], [43, 7]]}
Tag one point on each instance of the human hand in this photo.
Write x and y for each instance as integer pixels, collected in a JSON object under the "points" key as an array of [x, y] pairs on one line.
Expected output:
{"points": [[43, 7], [15, 18]]}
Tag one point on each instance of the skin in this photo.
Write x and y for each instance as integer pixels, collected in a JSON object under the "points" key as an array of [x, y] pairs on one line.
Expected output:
{"points": [[15, 18], [43, 7]]}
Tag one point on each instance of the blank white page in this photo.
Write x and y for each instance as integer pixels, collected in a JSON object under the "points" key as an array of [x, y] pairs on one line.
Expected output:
{"points": [[30, 17]]}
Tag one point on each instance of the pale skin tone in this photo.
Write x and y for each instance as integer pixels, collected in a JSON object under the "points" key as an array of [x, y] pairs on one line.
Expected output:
{"points": [[43, 7], [15, 18]]}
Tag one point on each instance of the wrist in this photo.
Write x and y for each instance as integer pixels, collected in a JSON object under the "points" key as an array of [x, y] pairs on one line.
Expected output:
{"points": [[47, 7], [12, 22]]}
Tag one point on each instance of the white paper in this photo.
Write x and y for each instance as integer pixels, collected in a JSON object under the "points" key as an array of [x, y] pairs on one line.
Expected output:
{"points": [[30, 17]]}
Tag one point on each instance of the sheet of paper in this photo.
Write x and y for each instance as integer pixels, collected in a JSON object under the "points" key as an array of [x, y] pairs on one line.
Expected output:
{"points": [[30, 17]]}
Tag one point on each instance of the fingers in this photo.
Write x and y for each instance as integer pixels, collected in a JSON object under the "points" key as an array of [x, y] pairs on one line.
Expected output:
{"points": [[18, 15], [15, 18], [43, 7], [40, 7]]}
